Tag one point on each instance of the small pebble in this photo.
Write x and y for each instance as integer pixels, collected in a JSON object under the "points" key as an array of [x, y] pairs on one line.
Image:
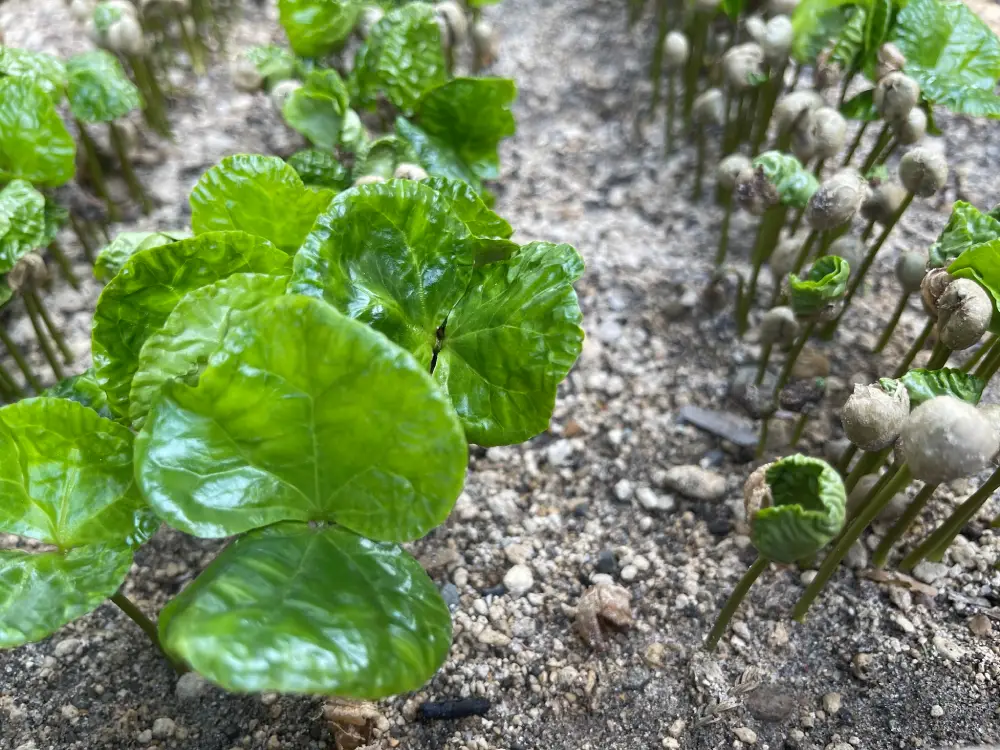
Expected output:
{"points": [[746, 735], [629, 573], [624, 490], [831, 703], [190, 687], [936, 711], [929, 572], [948, 648], [449, 592], [651, 501], [163, 728], [807, 577], [606, 562], [695, 482], [519, 580], [66, 647], [980, 625], [144, 737]]}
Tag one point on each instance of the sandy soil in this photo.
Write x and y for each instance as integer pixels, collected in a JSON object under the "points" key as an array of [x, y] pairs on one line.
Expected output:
{"points": [[874, 666]]}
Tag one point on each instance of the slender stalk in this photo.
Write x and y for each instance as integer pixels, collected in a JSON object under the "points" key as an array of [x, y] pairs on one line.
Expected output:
{"points": [[796, 74], [848, 77], [765, 355], [699, 169], [727, 212], [986, 347], [796, 221], [939, 356], [82, 237], [893, 322], [900, 479], [135, 614], [767, 233], [699, 32], [733, 602], [800, 427], [656, 66], [818, 169], [855, 143], [800, 259], [53, 330], [859, 276], [152, 93], [867, 232], [784, 375], [765, 428], [772, 90], [869, 462], [8, 386], [193, 46], [937, 543], [134, 186], [845, 459], [668, 136], [43, 340], [988, 368], [65, 267], [880, 143], [20, 361], [95, 172], [918, 345], [903, 523]]}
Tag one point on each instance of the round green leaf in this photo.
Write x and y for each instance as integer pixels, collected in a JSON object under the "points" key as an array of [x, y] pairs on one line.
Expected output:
{"points": [[807, 510], [46, 71], [42, 591], [138, 301], [112, 257], [98, 89], [923, 385], [193, 332], [317, 114], [34, 143], [826, 282], [967, 226], [84, 389], [794, 183], [294, 609], [320, 169], [22, 212], [66, 476], [303, 415], [436, 155], [259, 195], [510, 342], [401, 58], [393, 255], [466, 202], [316, 28], [273, 63]]}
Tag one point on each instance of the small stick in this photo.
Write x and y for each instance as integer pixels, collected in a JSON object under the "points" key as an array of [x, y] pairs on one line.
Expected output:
{"points": [[22, 363], [454, 709]]}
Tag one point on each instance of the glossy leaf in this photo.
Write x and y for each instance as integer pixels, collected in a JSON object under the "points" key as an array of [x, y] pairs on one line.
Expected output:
{"points": [[295, 609], [46, 71], [794, 183], [381, 157], [111, 258], [850, 43], [303, 415], [966, 227], [951, 53], [66, 476], [84, 389], [320, 169], [472, 116], [56, 217], [22, 216], [34, 143], [273, 63], [436, 155], [469, 206], [98, 89], [259, 195], [878, 23], [861, 106], [138, 301], [393, 255], [42, 591], [315, 28], [826, 282], [807, 509], [401, 58], [510, 341], [193, 332], [318, 108], [923, 385], [815, 23]]}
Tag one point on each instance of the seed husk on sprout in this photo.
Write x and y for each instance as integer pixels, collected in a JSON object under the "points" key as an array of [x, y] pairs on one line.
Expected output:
{"points": [[890, 60], [913, 128], [675, 54], [946, 439], [407, 171], [964, 313], [923, 172], [726, 174], [895, 95], [874, 418]]}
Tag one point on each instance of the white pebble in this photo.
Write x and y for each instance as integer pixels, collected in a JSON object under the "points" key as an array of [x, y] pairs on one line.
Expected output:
{"points": [[629, 573], [519, 580]]}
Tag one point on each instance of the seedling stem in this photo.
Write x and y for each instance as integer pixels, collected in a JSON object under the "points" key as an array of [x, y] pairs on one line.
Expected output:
{"points": [[903, 523], [733, 602]]}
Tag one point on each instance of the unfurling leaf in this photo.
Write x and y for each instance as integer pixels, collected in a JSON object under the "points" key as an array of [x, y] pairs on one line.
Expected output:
{"points": [[381, 157], [966, 227], [923, 385], [825, 283], [84, 389], [319, 109], [320, 169], [98, 89], [794, 183]]}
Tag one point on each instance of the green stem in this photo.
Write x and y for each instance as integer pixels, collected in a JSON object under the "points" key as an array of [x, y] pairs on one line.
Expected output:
{"points": [[95, 172], [772, 90], [727, 211], [82, 238], [800, 259], [65, 267], [9, 387], [855, 143], [135, 614], [902, 524], [869, 228], [733, 602], [668, 136], [918, 345], [765, 429], [656, 66], [937, 543], [848, 77], [845, 459], [699, 32], [796, 221], [765, 356], [193, 47], [20, 361], [859, 276], [893, 322], [800, 427], [699, 170], [767, 232], [891, 488], [988, 364], [43, 340], [869, 462], [54, 331], [154, 111], [793, 354], [986, 347], [939, 356], [134, 186], [880, 143]]}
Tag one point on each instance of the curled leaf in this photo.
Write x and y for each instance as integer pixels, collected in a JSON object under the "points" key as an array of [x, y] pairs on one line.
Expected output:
{"points": [[967, 226], [795, 184], [84, 389], [98, 89], [923, 385], [318, 109], [826, 282]]}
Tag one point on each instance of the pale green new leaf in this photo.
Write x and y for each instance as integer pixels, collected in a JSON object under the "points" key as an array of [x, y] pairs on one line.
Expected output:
{"points": [[320, 169], [273, 63], [967, 226], [46, 71], [112, 257], [34, 143], [315, 28], [923, 385], [22, 213], [318, 109], [98, 88]]}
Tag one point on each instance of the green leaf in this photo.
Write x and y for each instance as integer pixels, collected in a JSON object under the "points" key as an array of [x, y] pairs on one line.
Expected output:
{"points": [[826, 282], [315, 28], [138, 301], [951, 53], [815, 23], [401, 58], [84, 389], [259, 195], [6, 293], [966, 227], [861, 107], [923, 385], [382, 156], [56, 217], [303, 415], [733, 9], [42, 591], [320, 169], [46, 71], [794, 183], [112, 257], [877, 26], [510, 341], [34, 143], [470, 208], [318, 109], [295, 609], [98, 89], [850, 43], [437, 156], [193, 332], [66, 476], [22, 212], [807, 510], [472, 116], [273, 63]]}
